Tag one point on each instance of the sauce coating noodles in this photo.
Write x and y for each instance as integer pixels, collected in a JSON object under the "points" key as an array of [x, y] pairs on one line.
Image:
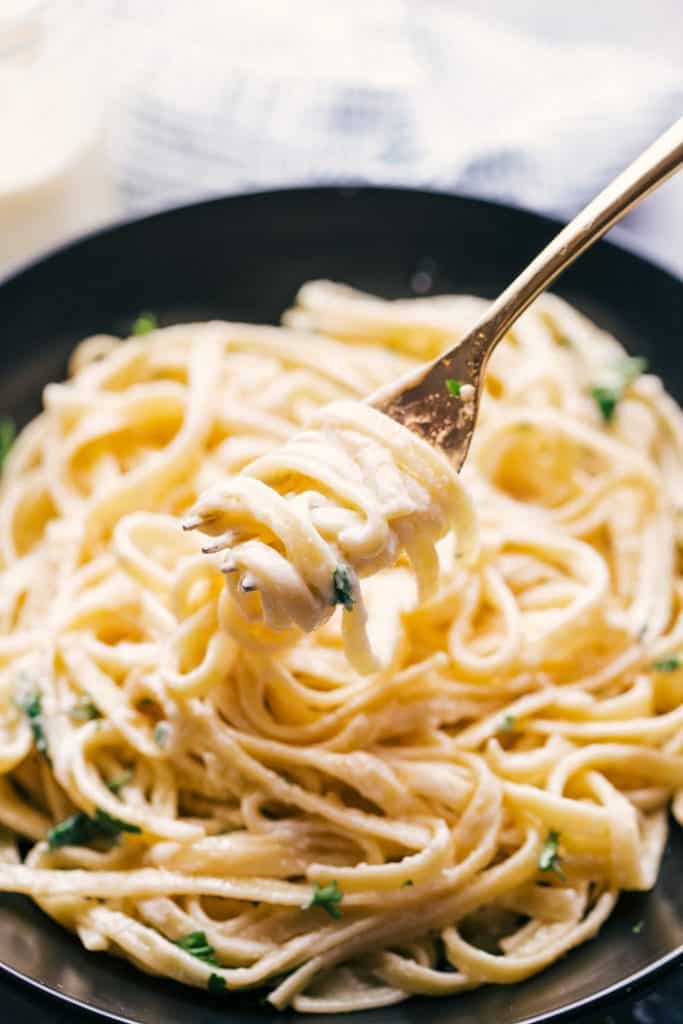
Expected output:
{"points": [[345, 497], [224, 800]]}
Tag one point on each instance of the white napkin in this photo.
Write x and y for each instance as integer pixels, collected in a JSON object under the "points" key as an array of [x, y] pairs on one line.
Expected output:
{"points": [[215, 96]]}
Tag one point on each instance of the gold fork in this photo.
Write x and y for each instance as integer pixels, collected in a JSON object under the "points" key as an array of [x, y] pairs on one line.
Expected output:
{"points": [[440, 401]]}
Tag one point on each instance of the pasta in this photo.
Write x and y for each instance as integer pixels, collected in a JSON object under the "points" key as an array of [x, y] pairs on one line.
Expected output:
{"points": [[355, 491], [207, 787]]}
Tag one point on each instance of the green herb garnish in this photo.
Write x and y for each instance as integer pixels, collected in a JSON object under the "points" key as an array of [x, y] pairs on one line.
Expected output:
{"points": [[507, 723], [84, 711], [327, 897], [631, 367], [111, 826], [160, 733], [80, 829], [667, 664], [7, 434], [607, 398], [549, 859], [119, 782], [407, 884], [638, 927], [30, 704], [73, 831], [453, 386], [216, 983], [342, 587], [196, 944], [144, 324]]}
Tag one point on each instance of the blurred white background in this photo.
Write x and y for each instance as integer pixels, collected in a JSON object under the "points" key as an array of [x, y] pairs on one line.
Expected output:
{"points": [[157, 102], [652, 26]]}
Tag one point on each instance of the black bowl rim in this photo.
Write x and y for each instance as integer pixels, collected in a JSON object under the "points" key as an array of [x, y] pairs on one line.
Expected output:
{"points": [[619, 240], [627, 986], [621, 989], [618, 237]]}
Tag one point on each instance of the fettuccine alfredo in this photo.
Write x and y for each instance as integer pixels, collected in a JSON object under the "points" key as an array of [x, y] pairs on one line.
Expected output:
{"points": [[193, 775]]}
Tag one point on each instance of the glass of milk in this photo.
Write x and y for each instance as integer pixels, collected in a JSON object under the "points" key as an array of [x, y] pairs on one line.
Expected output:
{"points": [[56, 179]]}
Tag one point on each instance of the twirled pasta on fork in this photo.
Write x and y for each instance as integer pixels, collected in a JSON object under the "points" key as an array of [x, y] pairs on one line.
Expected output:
{"points": [[342, 499]]}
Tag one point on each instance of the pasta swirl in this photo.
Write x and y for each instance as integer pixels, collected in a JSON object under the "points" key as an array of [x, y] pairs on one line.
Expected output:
{"points": [[340, 500], [209, 789]]}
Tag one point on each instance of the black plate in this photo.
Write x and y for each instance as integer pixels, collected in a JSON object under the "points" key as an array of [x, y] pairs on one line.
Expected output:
{"points": [[244, 258]]}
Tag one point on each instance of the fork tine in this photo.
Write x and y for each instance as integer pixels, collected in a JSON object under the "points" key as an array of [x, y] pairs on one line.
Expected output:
{"points": [[225, 540]]}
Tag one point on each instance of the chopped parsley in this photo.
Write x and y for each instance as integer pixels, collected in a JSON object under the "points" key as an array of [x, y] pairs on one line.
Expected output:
{"points": [[84, 711], [196, 944], [507, 723], [671, 664], [607, 398], [144, 324], [216, 983], [7, 434], [119, 781], [80, 829], [638, 927], [549, 859], [453, 386], [161, 733], [327, 897], [631, 367], [342, 587], [30, 704]]}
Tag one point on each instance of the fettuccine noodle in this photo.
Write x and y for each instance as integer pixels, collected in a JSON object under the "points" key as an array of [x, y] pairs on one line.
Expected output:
{"points": [[345, 497], [209, 788]]}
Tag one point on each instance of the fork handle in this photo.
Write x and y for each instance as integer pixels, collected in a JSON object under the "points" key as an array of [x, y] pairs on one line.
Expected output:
{"points": [[420, 400], [662, 159]]}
